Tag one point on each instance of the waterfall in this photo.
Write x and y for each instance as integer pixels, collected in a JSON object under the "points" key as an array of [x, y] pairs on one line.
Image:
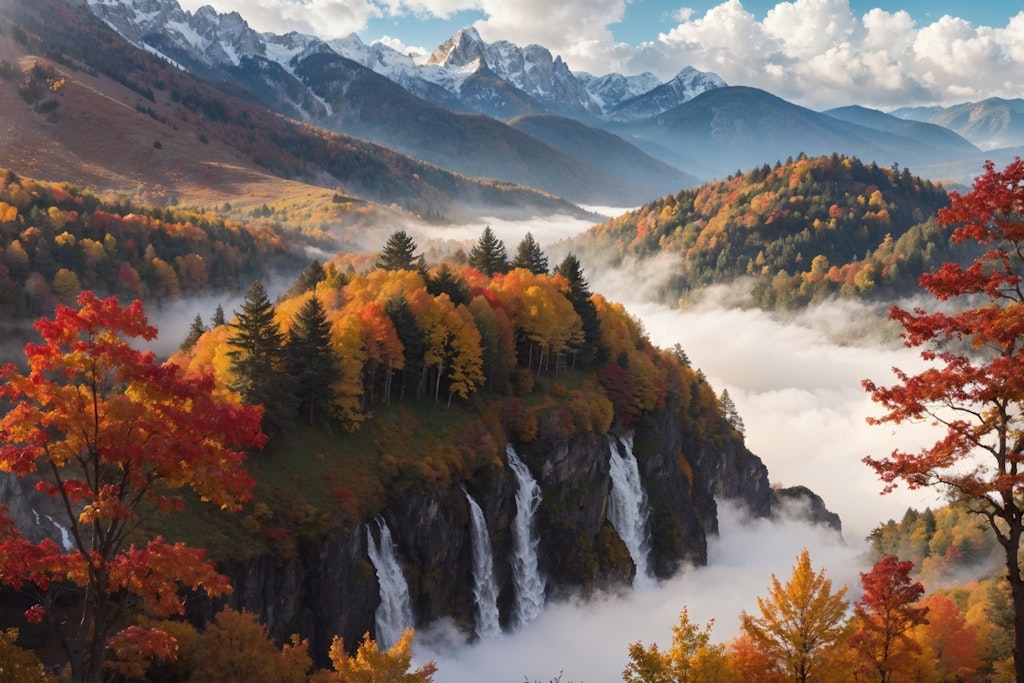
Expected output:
{"points": [[529, 583], [628, 509], [394, 614], [485, 586]]}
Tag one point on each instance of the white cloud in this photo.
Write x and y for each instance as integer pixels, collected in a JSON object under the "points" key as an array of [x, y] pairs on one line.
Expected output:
{"points": [[817, 53], [324, 18]]}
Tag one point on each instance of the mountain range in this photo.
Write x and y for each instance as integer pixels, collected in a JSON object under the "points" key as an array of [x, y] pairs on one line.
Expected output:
{"points": [[991, 124], [518, 116]]}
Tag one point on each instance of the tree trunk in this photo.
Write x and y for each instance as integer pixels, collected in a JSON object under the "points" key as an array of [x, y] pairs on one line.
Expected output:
{"points": [[1017, 595], [1012, 515]]}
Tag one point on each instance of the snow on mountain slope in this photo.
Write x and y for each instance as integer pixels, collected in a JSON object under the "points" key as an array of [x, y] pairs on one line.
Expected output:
{"points": [[464, 73]]}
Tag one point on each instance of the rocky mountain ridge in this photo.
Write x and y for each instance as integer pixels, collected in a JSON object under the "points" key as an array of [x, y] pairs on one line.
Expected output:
{"points": [[695, 123], [544, 82]]}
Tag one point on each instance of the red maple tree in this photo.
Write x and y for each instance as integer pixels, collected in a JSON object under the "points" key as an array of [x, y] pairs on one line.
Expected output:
{"points": [[973, 389], [886, 615], [114, 436]]}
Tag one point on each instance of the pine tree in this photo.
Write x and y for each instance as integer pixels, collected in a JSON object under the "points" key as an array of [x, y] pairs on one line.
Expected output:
{"points": [[399, 253], [194, 333], [593, 351], [257, 359], [218, 317], [310, 361], [409, 333], [488, 255], [530, 256], [306, 281], [732, 416], [447, 281]]}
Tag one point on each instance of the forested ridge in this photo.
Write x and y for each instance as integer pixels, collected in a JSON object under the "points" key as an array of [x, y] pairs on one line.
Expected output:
{"points": [[551, 352], [56, 240], [804, 230]]}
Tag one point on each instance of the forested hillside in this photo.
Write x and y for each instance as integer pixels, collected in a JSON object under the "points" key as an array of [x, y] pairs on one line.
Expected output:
{"points": [[56, 240], [454, 334], [209, 137], [451, 359], [804, 230]]}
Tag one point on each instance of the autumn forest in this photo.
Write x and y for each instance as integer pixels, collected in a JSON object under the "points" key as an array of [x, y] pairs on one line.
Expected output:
{"points": [[403, 440]]}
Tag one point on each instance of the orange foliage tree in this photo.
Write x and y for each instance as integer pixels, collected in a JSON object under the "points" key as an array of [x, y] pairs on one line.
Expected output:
{"points": [[113, 434], [691, 658], [237, 647], [974, 387], [950, 643]]}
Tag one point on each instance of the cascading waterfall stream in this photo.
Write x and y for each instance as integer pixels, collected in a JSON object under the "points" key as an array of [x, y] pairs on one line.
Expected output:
{"points": [[628, 509], [529, 583], [394, 614], [485, 586]]}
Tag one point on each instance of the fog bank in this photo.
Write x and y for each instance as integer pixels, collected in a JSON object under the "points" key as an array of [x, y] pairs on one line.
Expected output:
{"points": [[587, 640]]}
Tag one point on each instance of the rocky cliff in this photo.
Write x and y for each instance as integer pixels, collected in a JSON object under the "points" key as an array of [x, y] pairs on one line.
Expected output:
{"points": [[331, 587]]}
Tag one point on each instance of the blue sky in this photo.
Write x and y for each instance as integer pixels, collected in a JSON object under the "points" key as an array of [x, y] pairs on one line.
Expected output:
{"points": [[644, 19], [818, 53]]}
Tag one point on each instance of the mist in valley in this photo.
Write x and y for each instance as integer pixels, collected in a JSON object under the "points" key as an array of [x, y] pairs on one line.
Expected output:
{"points": [[586, 639], [796, 381]]}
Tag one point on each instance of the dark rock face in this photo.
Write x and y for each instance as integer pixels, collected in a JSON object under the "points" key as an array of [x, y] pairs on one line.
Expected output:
{"points": [[331, 588], [803, 503]]}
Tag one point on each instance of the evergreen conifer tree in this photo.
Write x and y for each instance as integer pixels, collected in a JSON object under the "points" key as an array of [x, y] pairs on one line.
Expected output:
{"points": [[399, 253], [593, 350], [447, 281], [732, 416], [488, 255], [529, 256], [218, 317], [409, 333], [310, 361], [257, 359], [306, 281], [194, 333]]}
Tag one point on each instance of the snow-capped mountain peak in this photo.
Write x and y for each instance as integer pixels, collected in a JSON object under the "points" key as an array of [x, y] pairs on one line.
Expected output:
{"points": [[459, 50], [500, 79]]}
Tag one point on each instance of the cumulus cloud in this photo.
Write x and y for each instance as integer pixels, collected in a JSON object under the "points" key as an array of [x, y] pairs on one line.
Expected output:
{"points": [[817, 53], [324, 18]]}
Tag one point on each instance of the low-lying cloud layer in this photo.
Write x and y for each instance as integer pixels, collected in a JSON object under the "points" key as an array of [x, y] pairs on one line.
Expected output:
{"points": [[799, 394], [587, 640], [817, 53]]}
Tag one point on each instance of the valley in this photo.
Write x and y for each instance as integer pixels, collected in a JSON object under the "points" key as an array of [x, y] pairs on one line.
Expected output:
{"points": [[534, 445]]}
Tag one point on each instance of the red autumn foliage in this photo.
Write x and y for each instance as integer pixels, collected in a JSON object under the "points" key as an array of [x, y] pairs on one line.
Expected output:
{"points": [[973, 387], [109, 432]]}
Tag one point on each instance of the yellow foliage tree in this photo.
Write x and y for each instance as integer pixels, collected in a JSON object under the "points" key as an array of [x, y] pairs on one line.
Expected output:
{"points": [[691, 658], [236, 647], [18, 665], [371, 665], [800, 624]]}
